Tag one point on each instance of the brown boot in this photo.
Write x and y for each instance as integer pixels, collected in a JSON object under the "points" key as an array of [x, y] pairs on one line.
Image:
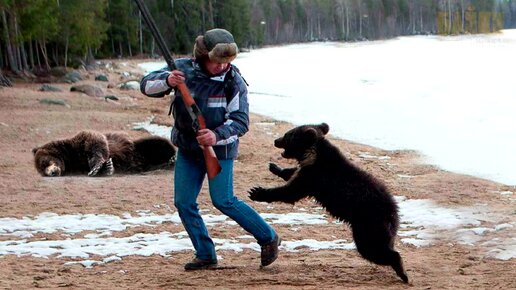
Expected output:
{"points": [[270, 251], [198, 264]]}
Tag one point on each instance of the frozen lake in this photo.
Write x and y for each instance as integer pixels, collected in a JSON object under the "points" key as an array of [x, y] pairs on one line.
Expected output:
{"points": [[452, 99]]}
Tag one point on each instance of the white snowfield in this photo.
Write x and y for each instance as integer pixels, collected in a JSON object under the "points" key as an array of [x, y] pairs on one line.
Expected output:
{"points": [[450, 98], [423, 223]]}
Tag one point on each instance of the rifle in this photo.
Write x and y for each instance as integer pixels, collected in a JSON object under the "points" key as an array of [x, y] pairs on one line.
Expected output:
{"points": [[212, 164]]}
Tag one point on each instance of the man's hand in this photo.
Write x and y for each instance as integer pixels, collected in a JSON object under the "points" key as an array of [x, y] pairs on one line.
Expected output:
{"points": [[175, 78], [206, 137]]}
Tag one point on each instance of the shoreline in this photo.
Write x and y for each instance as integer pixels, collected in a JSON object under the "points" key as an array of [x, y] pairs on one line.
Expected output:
{"points": [[449, 263], [448, 156]]}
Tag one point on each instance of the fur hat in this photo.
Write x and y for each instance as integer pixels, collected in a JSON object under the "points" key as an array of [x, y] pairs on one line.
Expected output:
{"points": [[216, 44]]}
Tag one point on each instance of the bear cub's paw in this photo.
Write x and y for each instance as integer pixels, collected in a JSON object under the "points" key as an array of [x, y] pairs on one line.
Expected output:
{"points": [[259, 193], [108, 168], [103, 168], [275, 169], [95, 169]]}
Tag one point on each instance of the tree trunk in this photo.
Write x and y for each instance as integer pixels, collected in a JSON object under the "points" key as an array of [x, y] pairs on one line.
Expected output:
{"points": [[211, 21], [1, 56], [55, 55], [4, 82], [347, 21], [360, 21], [20, 48], [37, 53], [421, 19], [152, 47], [90, 59], [10, 55], [4, 62], [463, 12], [43, 48], [450, 18], [129, 44], [24, 57], [140, 32], [113, 45], [66, 52], [31, 54], [121, 50]]}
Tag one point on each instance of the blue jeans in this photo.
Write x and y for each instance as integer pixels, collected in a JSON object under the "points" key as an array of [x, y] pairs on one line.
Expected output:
{"points": [[189, 175]]}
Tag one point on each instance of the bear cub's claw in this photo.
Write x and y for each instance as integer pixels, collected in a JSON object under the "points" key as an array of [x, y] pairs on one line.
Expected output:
{"points": [[275, 169], [103, 168], [109, 168], [257, 193], [95, 169]]}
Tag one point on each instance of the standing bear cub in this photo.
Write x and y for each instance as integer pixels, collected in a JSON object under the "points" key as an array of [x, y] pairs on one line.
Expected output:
{"points": [[99, 154], [347, 192]]}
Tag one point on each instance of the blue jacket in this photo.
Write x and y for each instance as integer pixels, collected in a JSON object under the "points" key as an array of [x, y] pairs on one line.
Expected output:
{"points": [[223, 104]]}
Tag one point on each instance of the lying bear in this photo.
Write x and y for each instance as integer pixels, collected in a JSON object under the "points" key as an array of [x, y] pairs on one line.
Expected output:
{"points": [[347, 192], [100, 154]]}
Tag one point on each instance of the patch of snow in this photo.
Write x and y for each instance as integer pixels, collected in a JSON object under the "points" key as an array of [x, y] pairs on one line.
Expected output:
{"points": [[423, 223]]}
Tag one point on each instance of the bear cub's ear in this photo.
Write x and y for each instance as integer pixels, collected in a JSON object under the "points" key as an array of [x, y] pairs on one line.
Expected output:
{"points": [[34, 150], [310, 135], [324, 128]]}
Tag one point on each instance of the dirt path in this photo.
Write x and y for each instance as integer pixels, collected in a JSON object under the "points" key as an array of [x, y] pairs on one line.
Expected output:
{"points": [[457, 258]]}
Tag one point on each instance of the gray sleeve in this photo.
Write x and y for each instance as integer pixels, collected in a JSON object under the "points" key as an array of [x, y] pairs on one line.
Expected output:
{"points": [[155, 84], [237, 123]]}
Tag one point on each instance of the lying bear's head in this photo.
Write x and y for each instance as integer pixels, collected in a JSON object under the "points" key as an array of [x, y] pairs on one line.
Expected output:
{"points": [[298, 141], [47, 163]]}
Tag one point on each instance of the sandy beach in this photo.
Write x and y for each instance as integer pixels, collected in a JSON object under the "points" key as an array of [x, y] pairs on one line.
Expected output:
{"points": [[28, 119]]}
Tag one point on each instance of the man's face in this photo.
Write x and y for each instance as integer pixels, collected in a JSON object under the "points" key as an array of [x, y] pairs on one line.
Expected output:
{"points": [[215, 68]]}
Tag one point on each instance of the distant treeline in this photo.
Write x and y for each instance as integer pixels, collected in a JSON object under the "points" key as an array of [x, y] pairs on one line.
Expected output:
{"points": [[39, 34]]}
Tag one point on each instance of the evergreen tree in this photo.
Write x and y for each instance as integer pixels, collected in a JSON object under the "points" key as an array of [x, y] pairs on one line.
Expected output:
{"points": [[44, 33], [83, 28], [123, 30], [234, 15], [186, 25], [39, 25]]}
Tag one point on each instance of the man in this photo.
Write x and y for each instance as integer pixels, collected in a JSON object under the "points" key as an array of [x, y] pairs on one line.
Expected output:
{"points": [[221, 94]]}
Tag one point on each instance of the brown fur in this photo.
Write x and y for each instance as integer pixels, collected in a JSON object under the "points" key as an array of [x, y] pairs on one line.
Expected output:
{"points": [[90, 152], [346, 191]]}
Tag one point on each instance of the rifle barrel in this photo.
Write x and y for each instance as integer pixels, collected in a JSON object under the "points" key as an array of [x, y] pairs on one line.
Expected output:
{"points": [[212, 164], [157, 36]]}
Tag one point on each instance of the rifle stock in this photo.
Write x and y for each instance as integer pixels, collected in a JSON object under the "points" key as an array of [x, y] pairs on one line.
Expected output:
{"points": [[212, 163]]}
